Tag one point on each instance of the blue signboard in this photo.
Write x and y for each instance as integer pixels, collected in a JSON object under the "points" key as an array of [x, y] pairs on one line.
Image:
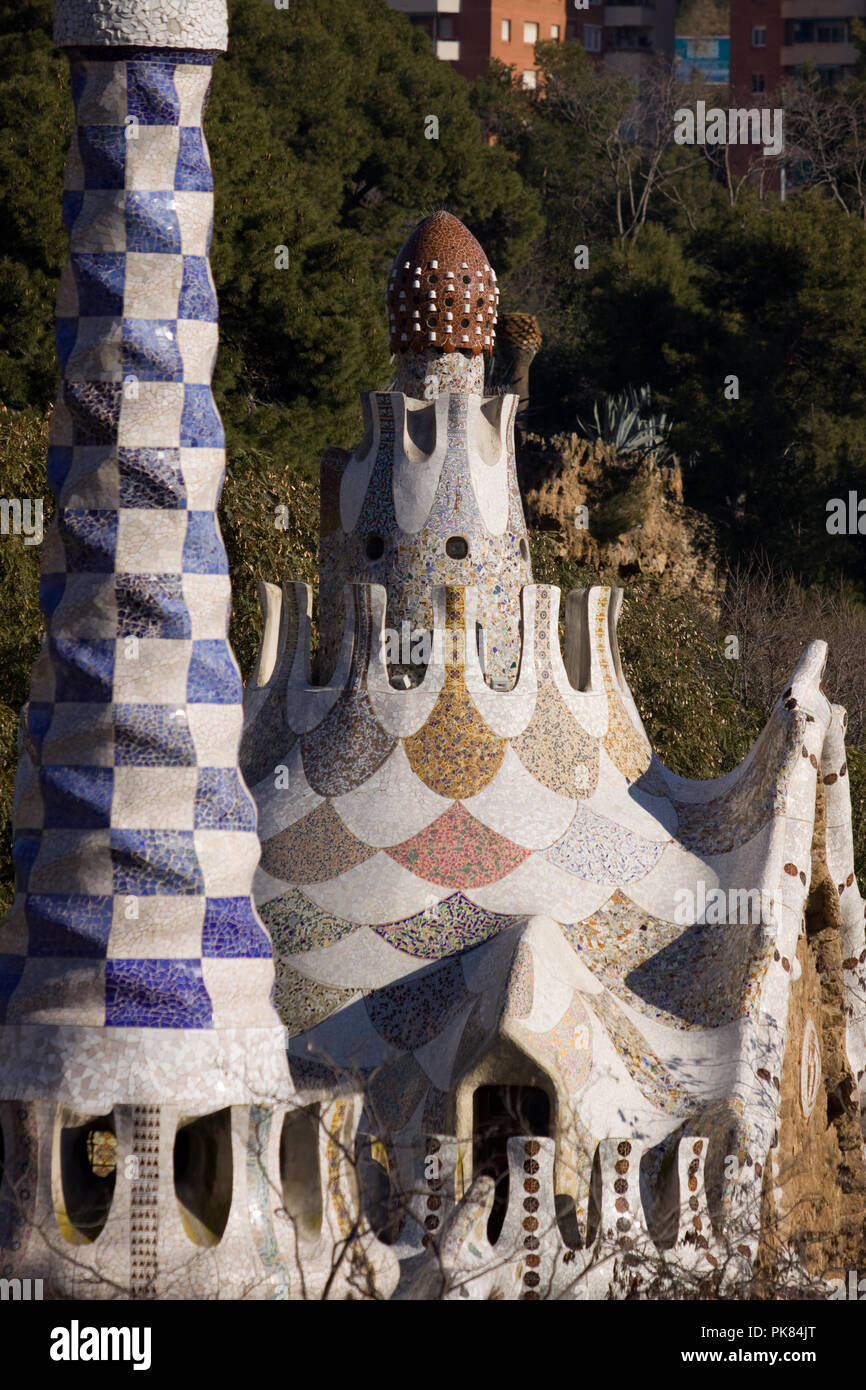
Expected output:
{"points": [[707, 59]]}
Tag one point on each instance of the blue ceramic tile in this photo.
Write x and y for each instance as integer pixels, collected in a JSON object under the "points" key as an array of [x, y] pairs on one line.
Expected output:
{"points": [[83, 669], [222, 802], [25, 848], [151, 478], [77, 80], [71, 204], [51, 590], [89, 540], [59, 464], [193, 170], [99, 280], [68, 924], [156, 994], [95, 410], [152, 736], [150, 350], [11, 970], [200, 425], [213, 677], [151, 95], [197, 295], [39, 716], [155, 861], [203, 550], [103, 154], [151, 223], [151, 605], [65, 334], [76, 797], [231, 930]]}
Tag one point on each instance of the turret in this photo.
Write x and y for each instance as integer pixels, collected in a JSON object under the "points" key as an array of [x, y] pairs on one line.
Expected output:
{"points": [[140, 1055], [430, 494]]}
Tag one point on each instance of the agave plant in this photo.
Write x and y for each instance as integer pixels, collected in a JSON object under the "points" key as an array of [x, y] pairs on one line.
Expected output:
{"points": [[627, 423]]}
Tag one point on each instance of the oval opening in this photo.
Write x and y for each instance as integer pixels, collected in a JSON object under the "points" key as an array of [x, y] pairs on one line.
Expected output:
{"points": [[299, 1171], [375, 547], [502, 1113], [203, 1175], [456, 547], [524, 549], [86, 1153], [383, 1206]]}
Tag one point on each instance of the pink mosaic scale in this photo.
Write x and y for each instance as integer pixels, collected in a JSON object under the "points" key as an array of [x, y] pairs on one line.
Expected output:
{"points": [[457, 851]]}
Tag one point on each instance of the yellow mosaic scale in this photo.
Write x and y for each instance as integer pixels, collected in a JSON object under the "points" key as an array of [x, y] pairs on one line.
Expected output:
{"points": [[455, 753]]}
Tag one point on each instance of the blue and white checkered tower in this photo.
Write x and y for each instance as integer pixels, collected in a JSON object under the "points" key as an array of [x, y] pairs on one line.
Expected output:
{"points": [[135, 974]]}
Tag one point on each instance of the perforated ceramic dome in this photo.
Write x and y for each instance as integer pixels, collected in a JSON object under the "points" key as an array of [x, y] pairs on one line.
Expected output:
{"points": [[442, 292]]}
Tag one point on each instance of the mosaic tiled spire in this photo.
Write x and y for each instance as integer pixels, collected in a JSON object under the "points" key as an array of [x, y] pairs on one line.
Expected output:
{"points": [[134, 966], [430, 495]]}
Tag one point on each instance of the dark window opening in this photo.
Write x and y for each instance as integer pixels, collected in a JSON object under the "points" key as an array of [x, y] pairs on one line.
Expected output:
{"points": [[375, 547], [456, 548], [299, 1172], [501, 1113], [203, 1176], [88, 1163]]}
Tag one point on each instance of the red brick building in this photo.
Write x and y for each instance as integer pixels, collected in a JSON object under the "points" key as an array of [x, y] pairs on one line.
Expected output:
{"points": [[468, 33], [772, 39]]}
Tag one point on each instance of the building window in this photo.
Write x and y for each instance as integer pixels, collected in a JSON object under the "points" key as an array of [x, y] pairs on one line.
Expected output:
{"points": [[530, 78], [592, 38], [530, 31], [757, 81], [571, 29], [505, 30], [445, 27], [554, 31], [759, 36], [831, 33]]}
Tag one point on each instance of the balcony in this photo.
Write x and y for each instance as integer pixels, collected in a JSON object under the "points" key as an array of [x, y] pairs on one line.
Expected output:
{"points": [[636, 16], [629, 40], [816, 9], [833, 55], [426, 6]]}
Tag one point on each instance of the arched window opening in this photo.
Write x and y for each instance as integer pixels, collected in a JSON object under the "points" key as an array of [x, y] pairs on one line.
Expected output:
{"points": [[203, 1171], [501, 1113], [299, 1172], [86, 1157]]}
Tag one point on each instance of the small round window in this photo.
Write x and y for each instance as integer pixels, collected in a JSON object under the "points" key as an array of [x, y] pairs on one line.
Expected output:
{"points": [[456, 547], [375, 547]]}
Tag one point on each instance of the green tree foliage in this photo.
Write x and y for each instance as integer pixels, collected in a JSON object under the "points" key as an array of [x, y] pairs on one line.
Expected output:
{"points": [[316, 127], [36, 123], [774, 294], [24, 438]]}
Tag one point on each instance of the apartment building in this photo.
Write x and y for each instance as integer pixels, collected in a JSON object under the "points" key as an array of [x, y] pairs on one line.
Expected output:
{"points": [[772, 39], [468, 33], [623, 38]]}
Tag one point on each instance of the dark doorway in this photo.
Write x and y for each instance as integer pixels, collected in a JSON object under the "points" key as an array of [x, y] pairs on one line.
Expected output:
{"points": [[501, 1113]]}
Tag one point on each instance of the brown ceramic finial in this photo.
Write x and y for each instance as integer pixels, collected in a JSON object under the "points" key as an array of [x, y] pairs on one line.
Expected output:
{"points": [[442, 293]]}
